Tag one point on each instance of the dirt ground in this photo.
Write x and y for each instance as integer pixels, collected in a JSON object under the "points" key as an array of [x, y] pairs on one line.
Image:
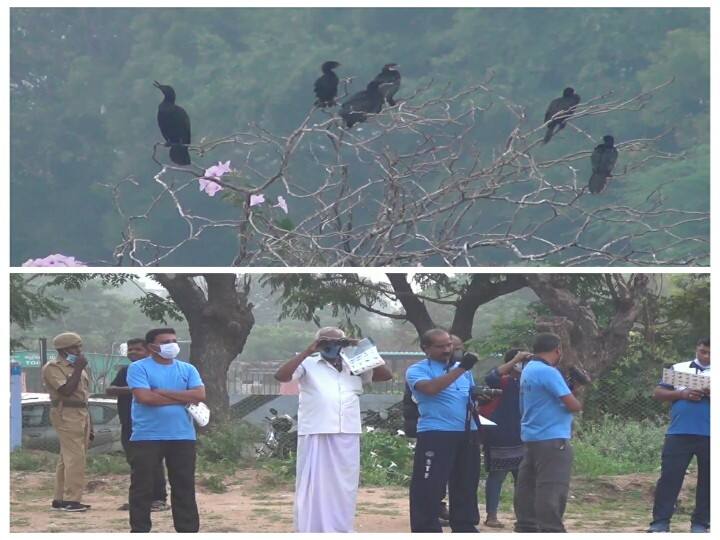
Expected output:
{"points": [[250, 504]]}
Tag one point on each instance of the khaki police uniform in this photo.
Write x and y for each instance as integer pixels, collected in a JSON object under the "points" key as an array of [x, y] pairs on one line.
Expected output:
{"points": [[70, 417]]}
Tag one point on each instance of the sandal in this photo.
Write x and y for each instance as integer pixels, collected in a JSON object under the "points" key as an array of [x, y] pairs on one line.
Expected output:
{"points": [[494, 523]]}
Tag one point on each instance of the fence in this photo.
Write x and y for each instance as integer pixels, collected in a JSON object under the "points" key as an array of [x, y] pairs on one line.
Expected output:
{"points": [[616, 393], [621, 392]]}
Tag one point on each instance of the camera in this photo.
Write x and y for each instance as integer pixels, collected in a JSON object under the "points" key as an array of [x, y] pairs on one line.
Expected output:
{"points": [[576, 376], [484, 394]]}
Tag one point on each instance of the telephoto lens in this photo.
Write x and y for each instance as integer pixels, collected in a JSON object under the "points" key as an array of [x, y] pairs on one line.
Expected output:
{"points": [[577, 376], [484, 394]]}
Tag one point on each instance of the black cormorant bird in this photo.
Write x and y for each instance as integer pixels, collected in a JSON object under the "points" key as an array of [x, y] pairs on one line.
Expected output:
{"points": [[355, 108], [389, 78], [326, 86], [603, 160], [174, 125], [567, 102]]}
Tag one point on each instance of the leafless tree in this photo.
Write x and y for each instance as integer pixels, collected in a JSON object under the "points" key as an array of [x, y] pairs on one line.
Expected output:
{"points": [[413, 186]]}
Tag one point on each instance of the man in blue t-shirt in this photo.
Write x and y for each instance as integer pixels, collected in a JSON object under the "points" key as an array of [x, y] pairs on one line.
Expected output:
{"points": [[547, 406], [162, 429], [687, 436], [136, 350], [447, 453]]}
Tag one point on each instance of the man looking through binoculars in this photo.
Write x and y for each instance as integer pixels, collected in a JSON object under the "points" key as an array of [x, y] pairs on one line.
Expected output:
{"points": [[329, 428]]}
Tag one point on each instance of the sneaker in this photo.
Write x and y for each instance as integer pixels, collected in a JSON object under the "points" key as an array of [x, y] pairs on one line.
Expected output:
{"points": [[659, 527], [125, 507], [159, 506], [699, 528], [74, 506], [57, 505]]}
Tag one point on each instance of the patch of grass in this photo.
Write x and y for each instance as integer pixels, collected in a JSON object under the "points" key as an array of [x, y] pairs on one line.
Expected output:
{"points": [[231, 445], [32, 460], [19, 522], [103, 464], [614, 446], [214, 483], [261, 510], [385, 459]]}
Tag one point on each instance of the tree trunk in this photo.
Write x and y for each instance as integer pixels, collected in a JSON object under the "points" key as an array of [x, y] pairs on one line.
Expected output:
{"points": [[482, 289], [219, 322], [416, 311], [585, 342]]}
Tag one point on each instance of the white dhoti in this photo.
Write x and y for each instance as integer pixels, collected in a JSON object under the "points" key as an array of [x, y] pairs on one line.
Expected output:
{"points": [[328, 474]]}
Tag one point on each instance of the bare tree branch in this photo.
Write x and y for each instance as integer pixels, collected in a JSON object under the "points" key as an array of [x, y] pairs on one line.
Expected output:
{"points": [[413, 186]]}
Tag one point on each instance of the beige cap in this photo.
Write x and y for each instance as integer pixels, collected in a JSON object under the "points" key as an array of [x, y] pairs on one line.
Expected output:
{"points": [[66, 339], [331, 332]]}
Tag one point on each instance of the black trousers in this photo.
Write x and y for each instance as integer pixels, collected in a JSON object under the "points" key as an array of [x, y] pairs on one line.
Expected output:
{"points": [[542, 486], [145, 458], [677, 452], [445, 458], [159, 487]]}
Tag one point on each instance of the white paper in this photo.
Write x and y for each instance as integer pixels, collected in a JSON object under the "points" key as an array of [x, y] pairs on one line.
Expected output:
{"points": [[362, 357]]}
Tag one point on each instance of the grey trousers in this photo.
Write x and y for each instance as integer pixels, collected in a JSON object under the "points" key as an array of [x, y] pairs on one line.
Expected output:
{"points": [[542, 486]]}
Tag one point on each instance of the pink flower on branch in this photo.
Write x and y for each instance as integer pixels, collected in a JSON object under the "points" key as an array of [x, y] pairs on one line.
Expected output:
{"points": [[257, 199], [213, 173], [55, 260], [216, 171], [282, 204], [209, 186]]}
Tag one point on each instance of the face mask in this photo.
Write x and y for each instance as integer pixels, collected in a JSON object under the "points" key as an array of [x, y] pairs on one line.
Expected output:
{"points": [[169, 350], [331, 352], [71, 358]]}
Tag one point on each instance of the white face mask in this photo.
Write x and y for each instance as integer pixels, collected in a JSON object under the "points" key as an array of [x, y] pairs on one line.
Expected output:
{"points": [[169, 350]]}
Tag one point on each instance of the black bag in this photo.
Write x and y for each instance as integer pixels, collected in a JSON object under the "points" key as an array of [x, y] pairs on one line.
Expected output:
{"points": [[410, 413]]}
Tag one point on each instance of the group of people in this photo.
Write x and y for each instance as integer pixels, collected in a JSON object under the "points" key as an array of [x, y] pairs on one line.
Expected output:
{"points": [[528, 436], [153, 392], [528, 433]]}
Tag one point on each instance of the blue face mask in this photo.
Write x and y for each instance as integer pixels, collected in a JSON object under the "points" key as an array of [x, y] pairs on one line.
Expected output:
{"points": [[331, 352], [71, 358]]}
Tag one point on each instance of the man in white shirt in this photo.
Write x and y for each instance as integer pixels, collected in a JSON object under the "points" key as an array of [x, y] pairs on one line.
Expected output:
{"points": [[328, 452]]}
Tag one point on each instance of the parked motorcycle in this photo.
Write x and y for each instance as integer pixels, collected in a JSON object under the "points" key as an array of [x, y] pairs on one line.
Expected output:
{"points": [[281, 436]]}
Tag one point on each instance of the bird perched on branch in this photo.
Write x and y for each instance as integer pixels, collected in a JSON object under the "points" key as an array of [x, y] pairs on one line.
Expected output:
{"points": [[603, 161], [567, 104], [355, 109], [389, 79], [174, 125], [326, 86]]}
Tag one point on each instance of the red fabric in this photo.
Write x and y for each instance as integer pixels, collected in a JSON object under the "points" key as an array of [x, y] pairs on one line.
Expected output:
{"points": [[489, 408]]}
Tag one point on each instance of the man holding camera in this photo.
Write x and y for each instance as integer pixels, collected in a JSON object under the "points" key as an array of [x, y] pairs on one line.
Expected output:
{"points": [[547, 406], [687, 436], [447, 451], [329, 428]]}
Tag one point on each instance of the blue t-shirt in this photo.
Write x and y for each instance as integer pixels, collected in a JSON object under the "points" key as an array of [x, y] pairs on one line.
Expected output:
{"points": [[446, 410], [689, 417], [162, 422], [544, 416]]}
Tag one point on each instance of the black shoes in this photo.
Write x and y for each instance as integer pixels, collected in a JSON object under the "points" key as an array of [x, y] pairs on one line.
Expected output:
{"points": [[74, 506]]}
